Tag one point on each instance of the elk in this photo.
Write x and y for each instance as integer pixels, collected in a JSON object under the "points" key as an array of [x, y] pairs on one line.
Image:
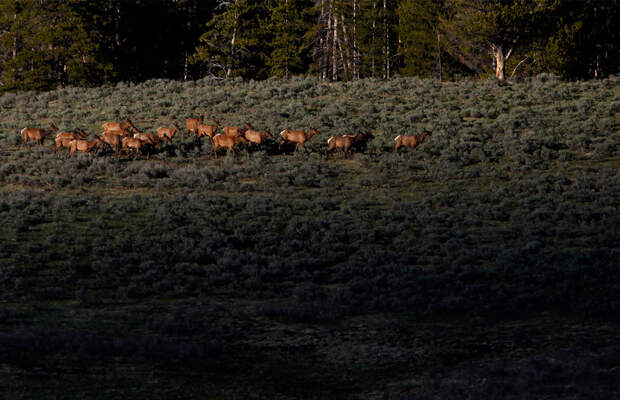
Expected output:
{"points": [[133, 144], [192, 124], [63, 139], [147, 138], [37, 134], [83, 145], [409, 140], [298, 137], [113, 140], [221, 140], [256, 137], [233, 131], [63, 144], [119, 128], [167, 133], [208, 130], [345, 142]]}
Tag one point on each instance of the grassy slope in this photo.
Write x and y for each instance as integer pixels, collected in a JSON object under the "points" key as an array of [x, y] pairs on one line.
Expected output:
{"points": [[483, 264]]}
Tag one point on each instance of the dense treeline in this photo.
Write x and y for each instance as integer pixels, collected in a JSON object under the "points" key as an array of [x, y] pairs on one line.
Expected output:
{"points": [[49, 43]]}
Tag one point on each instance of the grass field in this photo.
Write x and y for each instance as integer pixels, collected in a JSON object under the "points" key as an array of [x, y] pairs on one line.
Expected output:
{"points": [[483, 264]]}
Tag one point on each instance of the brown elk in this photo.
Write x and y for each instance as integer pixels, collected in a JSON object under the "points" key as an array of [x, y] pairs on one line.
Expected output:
{"points": [[208, 130], [63, 144], [147, 138], [63, 139], [37, 134], [345, 142], [409, 140], [229, 142], [83, 145], [113, 140], [132, 144], [167, 134], [192, 124], [298, 137], [119, 128], [256, 137], [233, 131]]}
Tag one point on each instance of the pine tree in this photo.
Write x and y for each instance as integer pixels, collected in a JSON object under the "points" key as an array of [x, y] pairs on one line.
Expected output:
{"points": [[288, 27], [231, 45], [477, 28], [418, 31], [583, 42], [44, 44], [378, 38]]}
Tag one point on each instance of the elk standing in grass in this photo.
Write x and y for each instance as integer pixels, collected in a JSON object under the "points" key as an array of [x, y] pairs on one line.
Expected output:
{"points": [[345, 142], [256, 137], [63, 139], [233, 131], [113, 140], [297, 137], [119, 128], [409, 140], [164, 133], [37, 134], [229, 142], [147, 138], [192, 124], [132, 144], [83, 145], [208, 130]]}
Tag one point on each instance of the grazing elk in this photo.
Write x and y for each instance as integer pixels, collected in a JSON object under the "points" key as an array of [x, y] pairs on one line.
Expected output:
{"points": [[229, 142], [298, 137], [83, 145], [345, 142], [256, 137], [192, 124], [167, 134], [410, 140], [37, 134], [119, 128], [208, 130], [63, 139]]}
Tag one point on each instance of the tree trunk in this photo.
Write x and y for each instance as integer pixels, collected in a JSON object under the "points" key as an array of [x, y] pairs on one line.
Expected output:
{"points": [[387, 41], [439, 56], [500, 59], [374, 25], [335, 47], [329, 40], [232, 48], [355, 50]]}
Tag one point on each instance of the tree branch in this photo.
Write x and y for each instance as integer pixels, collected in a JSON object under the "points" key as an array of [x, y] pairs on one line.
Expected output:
{"points": [[515, 69]]}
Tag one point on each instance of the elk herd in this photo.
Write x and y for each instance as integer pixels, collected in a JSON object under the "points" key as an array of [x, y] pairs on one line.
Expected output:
{"points": [[126, 137]]}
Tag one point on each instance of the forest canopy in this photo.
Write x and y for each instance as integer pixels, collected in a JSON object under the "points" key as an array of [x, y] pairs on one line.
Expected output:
{"points": [[45, 44]]}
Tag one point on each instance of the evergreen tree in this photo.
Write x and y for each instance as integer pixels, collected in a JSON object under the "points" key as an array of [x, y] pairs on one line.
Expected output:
{"points": [[45, 44], [476, 28], [288, 27], [378, 34], [231, 45], [584, 41], [418, 31]]}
